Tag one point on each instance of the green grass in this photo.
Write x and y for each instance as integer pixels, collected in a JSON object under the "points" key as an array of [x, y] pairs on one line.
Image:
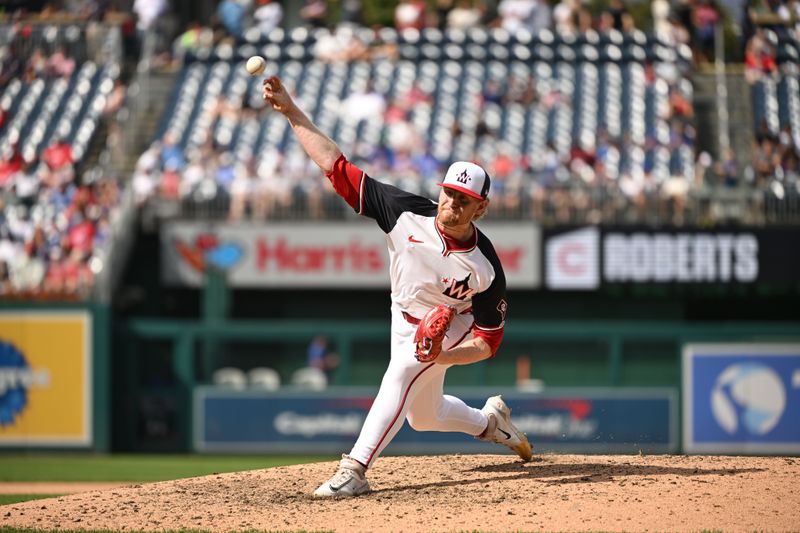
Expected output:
{"points": [[6, 499], [101, 467]]}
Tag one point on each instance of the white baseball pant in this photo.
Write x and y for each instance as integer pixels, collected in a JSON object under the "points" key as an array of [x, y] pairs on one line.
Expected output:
{"points": [[414, 391]]}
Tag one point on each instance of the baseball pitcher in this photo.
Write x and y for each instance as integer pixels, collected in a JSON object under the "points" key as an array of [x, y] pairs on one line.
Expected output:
{"points": [[448, 300]]}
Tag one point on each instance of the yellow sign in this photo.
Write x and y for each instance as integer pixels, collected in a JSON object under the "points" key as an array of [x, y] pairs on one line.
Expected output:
{"points": [[45, 379]]}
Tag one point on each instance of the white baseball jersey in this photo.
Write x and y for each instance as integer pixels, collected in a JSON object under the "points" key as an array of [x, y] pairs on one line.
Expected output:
{"points": [[427, 267]]}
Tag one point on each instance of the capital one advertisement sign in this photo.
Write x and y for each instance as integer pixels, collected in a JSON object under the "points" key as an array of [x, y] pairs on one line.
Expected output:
{"points": [[586, 258], [315, 255]]}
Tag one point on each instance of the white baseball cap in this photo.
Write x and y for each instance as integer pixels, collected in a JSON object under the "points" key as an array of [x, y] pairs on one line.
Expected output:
{"points": [[468, 178]]}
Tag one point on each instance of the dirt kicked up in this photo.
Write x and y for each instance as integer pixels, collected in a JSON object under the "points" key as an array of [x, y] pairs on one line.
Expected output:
{"points": [[454, 493]]}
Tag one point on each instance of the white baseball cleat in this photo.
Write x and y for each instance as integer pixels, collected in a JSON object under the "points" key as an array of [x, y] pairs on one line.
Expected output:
{"points": [[502, 431], [349, 480]]}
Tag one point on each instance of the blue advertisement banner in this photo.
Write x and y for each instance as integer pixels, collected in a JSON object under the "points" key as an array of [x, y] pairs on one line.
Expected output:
{"points": [[741, 398], [575, 420]]}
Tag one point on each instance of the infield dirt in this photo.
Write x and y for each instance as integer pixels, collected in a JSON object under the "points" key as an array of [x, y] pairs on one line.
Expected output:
{"points": [[454, 493]]}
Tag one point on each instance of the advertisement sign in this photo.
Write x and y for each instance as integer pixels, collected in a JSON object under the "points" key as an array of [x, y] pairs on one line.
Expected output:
{"points": [[741, 398], [573, 259], [45, 379], [579, 420], [587, 258], [316, 255]]}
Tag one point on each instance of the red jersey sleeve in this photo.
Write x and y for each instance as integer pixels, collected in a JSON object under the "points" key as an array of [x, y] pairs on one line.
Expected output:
{"points": [[493, 337], [347, 180]]}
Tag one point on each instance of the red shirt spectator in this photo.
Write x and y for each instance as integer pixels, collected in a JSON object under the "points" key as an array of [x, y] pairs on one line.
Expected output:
{"points": [[170, 184], [58, 155], [10, 166], [81, 236]]}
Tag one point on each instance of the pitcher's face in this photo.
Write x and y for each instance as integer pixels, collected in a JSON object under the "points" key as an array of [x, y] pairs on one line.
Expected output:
{"points": [[457, 208]]}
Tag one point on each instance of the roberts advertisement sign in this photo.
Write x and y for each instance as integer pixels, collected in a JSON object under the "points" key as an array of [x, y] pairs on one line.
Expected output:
{"points": [[586, 258], [316, 255]]}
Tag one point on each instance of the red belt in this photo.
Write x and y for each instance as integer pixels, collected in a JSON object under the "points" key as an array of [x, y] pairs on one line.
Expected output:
{"points": [[410, 319], [415, 321]]}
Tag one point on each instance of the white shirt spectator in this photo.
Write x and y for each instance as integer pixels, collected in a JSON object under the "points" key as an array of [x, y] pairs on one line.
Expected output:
{"points": [[148, 12], [9, 250], [268, 15], [532, 15], [363, 105], [463, 16], [563, 18]]}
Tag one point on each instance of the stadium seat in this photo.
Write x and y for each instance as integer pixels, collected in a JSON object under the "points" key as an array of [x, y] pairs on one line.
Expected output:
{"points": [[230, 377], [310, 378], [264, 378]]}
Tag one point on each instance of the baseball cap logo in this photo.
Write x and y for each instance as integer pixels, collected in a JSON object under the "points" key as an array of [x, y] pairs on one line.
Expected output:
{"points": [[468, 178]]}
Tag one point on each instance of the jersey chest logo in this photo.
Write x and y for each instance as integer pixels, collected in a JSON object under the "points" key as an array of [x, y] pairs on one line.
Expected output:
{"points": [[458, 289]]}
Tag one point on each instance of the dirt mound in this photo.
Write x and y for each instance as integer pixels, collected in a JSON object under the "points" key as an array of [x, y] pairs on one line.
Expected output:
{"points": [[454, 493]]}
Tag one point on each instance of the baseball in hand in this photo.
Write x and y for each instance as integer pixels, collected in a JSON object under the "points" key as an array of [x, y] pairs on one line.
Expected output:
{"points": [[256, 65]]}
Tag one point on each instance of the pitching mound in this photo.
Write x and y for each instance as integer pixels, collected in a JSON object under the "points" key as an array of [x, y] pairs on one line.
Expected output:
{"points": [[454, 493]]}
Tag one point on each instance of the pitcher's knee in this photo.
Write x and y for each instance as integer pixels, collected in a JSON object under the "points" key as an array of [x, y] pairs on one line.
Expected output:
{"points": [[421, 422]]}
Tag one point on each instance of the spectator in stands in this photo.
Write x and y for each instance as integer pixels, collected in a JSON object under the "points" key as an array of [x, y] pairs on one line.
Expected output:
{"points": [[190, 41], [58, 155], [26, 183], [463, 15], [660, 12], [243, 189], [170, 184], [148, 13], [116, 98], [12, 65], [198, 170], [59, 65], [315, 13], [273, 191], [565, 17], [171, 152], [231, 14], [144, 180], [621, 19], [531, 15], [363, 104], [321, 355], [351, 12], [492, 93], [705, 18], [727, 169], [5, 279], [759, 58], [37, 65], [765, 160], [225, 171], [410, 14], [11, 162], [268, 15], [340, 44]]}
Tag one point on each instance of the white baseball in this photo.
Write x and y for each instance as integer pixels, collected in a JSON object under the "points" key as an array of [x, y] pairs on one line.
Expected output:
{"points": [[256, 65]]}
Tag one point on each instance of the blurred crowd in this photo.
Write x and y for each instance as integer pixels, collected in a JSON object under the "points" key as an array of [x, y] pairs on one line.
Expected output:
{"points": [[591, 180], [55, 216], [55, 213], [52, 223], [776, 147]]}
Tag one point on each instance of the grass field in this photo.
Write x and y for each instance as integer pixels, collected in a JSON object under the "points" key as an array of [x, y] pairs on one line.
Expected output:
{"points": [[143, 468]]}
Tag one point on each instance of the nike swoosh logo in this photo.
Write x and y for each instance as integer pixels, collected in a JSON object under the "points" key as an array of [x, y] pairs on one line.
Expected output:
{"points": [[412, 239], [508, 435]]}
